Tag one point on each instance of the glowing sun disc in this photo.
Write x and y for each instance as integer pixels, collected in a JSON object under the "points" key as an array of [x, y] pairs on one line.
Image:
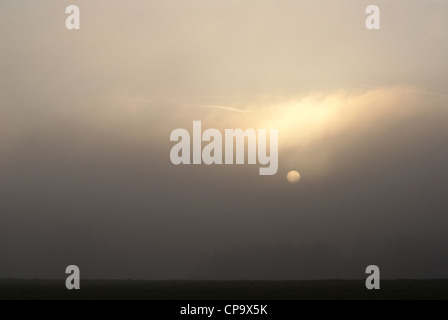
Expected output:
{"points": [[293, 177]]}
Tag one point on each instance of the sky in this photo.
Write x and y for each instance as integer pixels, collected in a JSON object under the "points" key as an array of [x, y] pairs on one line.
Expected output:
{"points": [[86, 117]]}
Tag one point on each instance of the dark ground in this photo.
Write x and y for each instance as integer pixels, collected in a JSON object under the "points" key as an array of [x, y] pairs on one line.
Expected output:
{"points": [[222, 290]]}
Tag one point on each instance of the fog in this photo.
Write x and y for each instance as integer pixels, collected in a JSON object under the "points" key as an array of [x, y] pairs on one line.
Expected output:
{"points": [[86, 117]]}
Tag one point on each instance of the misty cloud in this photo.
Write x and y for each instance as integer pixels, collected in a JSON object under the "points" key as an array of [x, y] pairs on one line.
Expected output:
{"points": [[85, 121]]}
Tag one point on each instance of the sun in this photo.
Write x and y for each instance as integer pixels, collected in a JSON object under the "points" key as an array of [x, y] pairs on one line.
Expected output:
{"points": [[293, 177]]}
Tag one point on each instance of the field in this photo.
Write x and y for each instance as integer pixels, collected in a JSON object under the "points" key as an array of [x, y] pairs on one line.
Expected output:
{"points": [[222, 290]]}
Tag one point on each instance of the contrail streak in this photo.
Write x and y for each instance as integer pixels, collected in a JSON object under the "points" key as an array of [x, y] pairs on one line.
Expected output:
{"points": [[224, 108]]}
